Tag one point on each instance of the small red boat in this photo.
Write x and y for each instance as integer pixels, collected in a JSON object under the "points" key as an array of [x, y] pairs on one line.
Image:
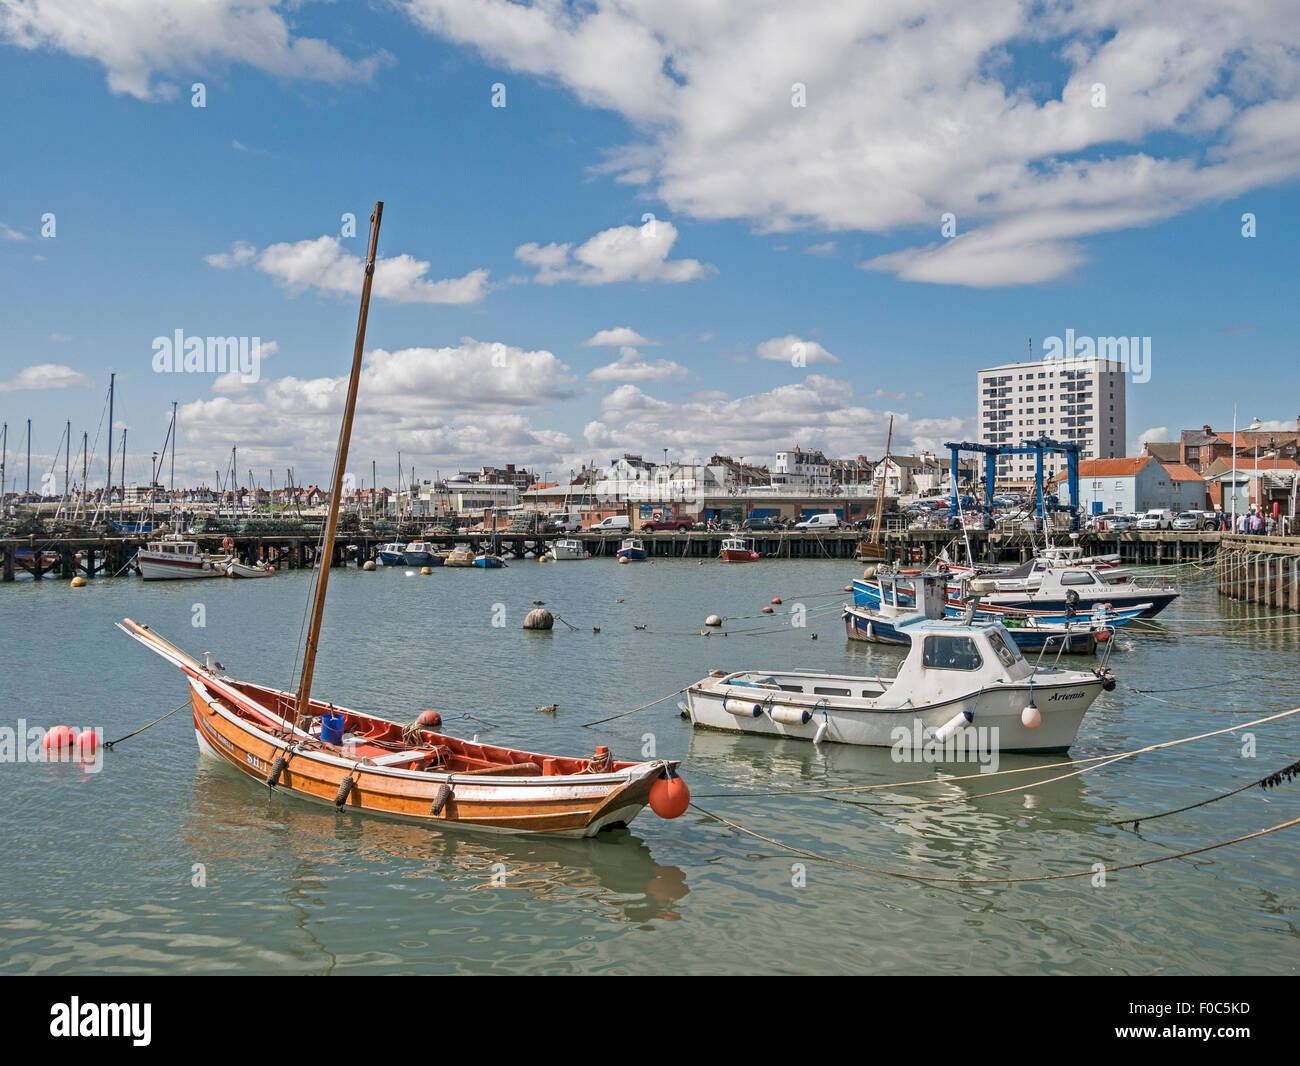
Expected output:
{"points": [[739, 550]]}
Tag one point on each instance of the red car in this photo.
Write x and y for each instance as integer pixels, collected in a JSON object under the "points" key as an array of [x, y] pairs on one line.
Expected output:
{"points": [[653, 525]]}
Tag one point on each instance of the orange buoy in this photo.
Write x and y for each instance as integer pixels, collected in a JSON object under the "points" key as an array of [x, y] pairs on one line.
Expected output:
{"points": [[59, 741], [776, 599], [1102, 636], [669, 796], [87, 744], [270, 569], [768, 610], [430, 718]]}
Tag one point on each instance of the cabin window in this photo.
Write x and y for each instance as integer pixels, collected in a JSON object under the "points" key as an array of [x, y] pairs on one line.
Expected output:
{"points": [[1081, 577], [951, 653], [1006, 653], [832, 692]]}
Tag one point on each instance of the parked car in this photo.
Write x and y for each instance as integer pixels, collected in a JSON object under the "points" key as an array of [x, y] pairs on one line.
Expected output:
{"points": [[829, 520], [1159, 518], [1199, 520], [760, 525], [614, 523], [653, 525]]}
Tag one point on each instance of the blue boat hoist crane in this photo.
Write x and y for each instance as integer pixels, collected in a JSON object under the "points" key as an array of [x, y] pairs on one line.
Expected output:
{"points": [[1036, 448]]}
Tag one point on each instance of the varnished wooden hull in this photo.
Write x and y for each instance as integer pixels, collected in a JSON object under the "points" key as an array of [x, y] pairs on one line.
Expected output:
{"points": [[523, 805]]}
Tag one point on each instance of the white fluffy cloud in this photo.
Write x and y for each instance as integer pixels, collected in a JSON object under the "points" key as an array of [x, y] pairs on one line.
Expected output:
{"points": [[439, 406], [618, 337], [817, 412], [323, 264], [790, 348], [631, 365], [624, 253], [136, 39], [984, 110], [45, 376]]}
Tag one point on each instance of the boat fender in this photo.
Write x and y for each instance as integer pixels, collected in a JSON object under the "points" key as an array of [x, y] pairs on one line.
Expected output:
{"points": [[345, 787], [669, 795], [1107, 678], [741, 710], [821, 731], [791, 715], [440, 800], [952, 725], [277, 768]]}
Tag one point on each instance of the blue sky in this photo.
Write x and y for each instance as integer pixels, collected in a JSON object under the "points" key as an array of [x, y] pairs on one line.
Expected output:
{"points": [[222, 220]]}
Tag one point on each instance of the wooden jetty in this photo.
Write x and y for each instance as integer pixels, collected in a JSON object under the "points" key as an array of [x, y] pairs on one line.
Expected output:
{"points": [[93, 556], [1264, 570]]}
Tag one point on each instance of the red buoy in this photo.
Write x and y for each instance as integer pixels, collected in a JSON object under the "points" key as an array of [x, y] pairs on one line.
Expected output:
{"points": [[59, 742], [87, 744], [430, 718], [768, 610], [776, 599], [1102, 636], [669, 796]]}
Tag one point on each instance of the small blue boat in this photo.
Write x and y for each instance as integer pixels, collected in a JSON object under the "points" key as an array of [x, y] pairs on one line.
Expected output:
{"points": [[488, 562], [633, 550], [418, 553], [391, 554]]}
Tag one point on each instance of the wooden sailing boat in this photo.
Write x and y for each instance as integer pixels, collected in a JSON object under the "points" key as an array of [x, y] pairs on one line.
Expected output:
{"points": [[309, 748], [870, 551]]}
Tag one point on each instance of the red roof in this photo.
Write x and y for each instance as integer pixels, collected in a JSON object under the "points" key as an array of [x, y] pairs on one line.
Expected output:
{"points": [[1179, 472], [1110, 467]]}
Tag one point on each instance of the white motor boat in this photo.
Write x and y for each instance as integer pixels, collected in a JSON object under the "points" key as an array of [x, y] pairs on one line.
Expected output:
{"points": [[568, 549], [958, 676], [175, 558]]}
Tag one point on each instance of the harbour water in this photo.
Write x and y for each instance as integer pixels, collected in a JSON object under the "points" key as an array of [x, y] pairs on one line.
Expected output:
{"points": [[163, 863]]}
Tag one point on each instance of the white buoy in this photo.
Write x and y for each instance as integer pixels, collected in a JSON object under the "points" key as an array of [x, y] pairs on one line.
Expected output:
{"points": [[713, 620], [368, 565]]}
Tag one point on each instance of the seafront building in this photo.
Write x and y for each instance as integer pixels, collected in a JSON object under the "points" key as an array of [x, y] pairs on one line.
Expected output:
{"points": [[1075, 400]]}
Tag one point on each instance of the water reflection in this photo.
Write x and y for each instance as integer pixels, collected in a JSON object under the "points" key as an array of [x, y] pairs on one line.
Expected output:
{"points": [[231, 818]]}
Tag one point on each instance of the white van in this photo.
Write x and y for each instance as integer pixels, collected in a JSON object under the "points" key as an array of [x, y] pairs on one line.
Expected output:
{"points": [[820, 521], [618, 522]]}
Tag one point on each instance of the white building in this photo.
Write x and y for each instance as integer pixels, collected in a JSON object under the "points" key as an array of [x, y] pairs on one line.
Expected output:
{"points": [[801, 472], [1076, 400]]}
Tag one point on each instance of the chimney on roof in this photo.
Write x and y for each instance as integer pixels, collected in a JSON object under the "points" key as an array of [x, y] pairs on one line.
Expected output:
{"points": [[1207, 429]]}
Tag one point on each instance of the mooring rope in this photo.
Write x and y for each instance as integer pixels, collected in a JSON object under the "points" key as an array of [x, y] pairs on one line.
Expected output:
{"points": [[1277, 777], [1090, 872], [110, 743], [624, 714]]}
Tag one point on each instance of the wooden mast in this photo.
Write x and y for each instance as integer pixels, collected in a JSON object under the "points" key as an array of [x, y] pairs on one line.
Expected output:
{"points": [[340, 461], [880, 492]]}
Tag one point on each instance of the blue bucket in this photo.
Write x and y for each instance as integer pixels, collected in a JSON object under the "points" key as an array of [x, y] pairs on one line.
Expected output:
{"points": [[331, 728]]}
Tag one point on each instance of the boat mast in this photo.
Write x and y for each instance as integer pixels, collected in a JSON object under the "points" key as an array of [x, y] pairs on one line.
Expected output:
{"points": [[340, 461], [880, 492], [108, 480]]}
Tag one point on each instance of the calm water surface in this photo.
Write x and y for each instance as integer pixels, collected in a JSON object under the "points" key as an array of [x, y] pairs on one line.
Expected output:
{"points": [[98, 869]]}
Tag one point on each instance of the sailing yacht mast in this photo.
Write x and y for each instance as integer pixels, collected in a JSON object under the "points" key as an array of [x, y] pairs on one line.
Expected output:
{"points": [[340, 461], [880, 492]]}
